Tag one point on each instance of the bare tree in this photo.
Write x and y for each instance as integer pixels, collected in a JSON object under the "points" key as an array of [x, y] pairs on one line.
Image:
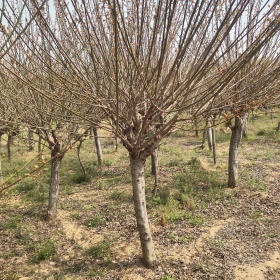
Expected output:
{"points": [[145, 61]]}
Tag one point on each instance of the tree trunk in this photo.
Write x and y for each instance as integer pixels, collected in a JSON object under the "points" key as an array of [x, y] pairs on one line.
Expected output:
{"points": [[54, 184], [204, 138], [116, 144], [98, 146], [154, 159], [30, 140], [80, 160], [209, 137], [195, 127], [1, 171], [236, 137], [39, 147], [139, 198], [214, 145], [278, 128], [245, 125], [9, 143]]}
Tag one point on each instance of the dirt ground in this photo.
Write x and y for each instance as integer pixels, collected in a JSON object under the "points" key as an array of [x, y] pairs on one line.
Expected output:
{"points": [[239, 238]]}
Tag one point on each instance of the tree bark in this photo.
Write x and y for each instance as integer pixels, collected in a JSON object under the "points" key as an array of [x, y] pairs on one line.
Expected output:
{"points": [[80, 160], [204, 136], [116, 144], [245, 125], [54, 184], [195, 127], [30, 140], [9, 143], [139, 198], [236, 137], [214, 145], [154, 159], [1, 171], [209, 137], [39, 147], [98, 146]]}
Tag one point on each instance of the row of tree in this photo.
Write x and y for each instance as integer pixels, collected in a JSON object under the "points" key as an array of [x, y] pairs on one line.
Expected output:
{"points": [[139, 69]]}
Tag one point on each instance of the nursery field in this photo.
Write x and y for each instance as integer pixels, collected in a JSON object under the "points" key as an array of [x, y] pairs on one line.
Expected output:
{"points": [[201, 229]]}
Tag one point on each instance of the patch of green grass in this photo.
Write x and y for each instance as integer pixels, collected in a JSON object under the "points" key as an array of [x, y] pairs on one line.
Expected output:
{"points": [[11, 224], [120, 196], [175, 162], [217, 242], [270, 235], [198, 184], [222, 137], [255, 214], [168, 277], [26, 185], [9, 276], [7, 255], [96, 221], [88, 207], [43, 251], [97, 272], [75, 215], [264, 220], [178, 134], [195, 220], [173, 211], [78, 178], [180, 239], [107, 162], [102, 185], [39, 193], [101, 251]]}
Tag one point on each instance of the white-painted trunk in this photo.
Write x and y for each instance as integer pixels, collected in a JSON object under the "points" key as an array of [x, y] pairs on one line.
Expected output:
{"points": [[139, 198]]}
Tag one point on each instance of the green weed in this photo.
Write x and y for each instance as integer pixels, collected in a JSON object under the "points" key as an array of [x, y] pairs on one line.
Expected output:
{"points": [[11, 224], [167, 277], [96, 221], [101, 251], [43, 251], [120, 197]]}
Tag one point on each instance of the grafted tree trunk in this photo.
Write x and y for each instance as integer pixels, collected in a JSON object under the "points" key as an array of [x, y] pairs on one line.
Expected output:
{"points": [[54, 184], [236, 137], [98, 146], [139, 198], [30, 140], [154, 160]]}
